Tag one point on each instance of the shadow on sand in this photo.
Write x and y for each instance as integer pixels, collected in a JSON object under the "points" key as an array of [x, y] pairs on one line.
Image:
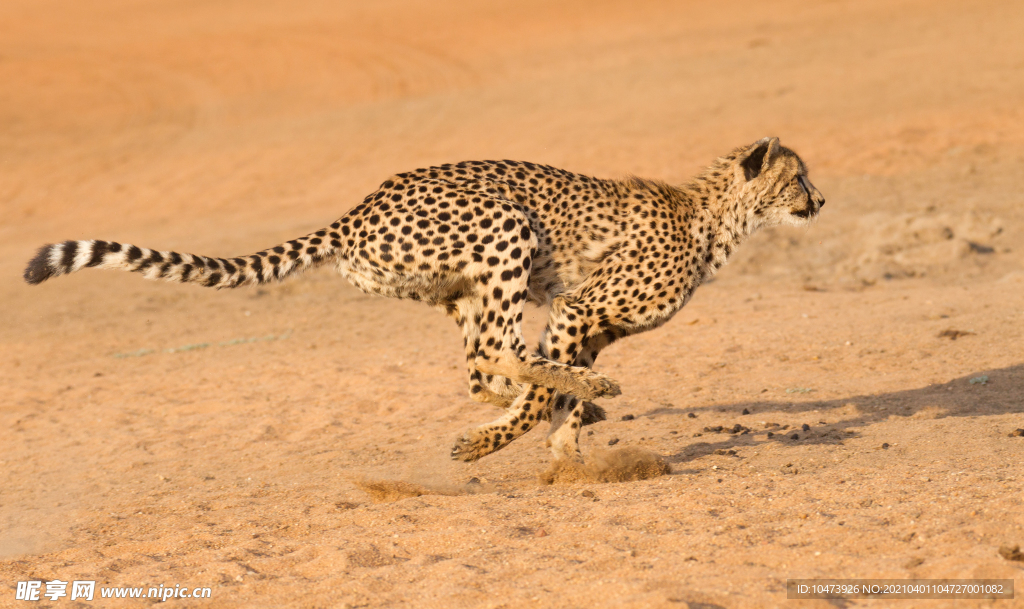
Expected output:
{"points": [[1002, 392]]}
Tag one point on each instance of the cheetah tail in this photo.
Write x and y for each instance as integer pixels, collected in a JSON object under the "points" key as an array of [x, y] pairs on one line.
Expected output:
{"points": [[262, 267]]}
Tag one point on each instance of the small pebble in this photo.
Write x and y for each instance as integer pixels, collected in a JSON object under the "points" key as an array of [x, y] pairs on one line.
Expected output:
{"points": [[691, 415], [805, 427], [794, 437], [885, 445], [745, 411], [540, 533], [588, 493], [628, 417], [613, 442], [770, 434], [1016, 433]]}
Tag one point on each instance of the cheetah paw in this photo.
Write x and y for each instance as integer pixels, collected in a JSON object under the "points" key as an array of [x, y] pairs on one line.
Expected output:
{"points": [[470, 447], [592, 413], [602, 386]]}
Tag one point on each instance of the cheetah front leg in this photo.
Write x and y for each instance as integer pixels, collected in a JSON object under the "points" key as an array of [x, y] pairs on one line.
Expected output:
{"points": [[534, 370]]}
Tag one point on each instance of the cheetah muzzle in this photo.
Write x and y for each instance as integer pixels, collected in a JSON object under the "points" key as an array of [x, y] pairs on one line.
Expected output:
{"points": [[479, 239]]}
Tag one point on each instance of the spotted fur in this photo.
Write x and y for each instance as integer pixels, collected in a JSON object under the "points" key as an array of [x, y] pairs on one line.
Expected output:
{"points": [[480, 239]]}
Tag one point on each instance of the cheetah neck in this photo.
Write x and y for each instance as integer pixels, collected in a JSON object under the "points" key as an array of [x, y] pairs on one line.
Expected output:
{"points": [[721, 214]]}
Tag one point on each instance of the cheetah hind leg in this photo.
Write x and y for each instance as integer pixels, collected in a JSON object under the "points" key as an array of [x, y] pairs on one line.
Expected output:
{"points": [[521, 417]]}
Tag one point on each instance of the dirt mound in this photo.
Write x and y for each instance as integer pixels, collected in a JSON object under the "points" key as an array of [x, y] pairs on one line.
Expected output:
{"points": [[626, 464]]}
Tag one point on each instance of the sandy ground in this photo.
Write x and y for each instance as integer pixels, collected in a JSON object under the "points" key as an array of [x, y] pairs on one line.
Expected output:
{"points": [[162, 434]]}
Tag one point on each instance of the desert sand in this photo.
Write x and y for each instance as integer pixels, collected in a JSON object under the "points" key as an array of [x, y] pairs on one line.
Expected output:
{"points": [[288, 446]]}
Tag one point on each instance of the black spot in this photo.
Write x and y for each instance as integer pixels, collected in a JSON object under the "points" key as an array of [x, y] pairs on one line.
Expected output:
{"points": [[134, 253]]}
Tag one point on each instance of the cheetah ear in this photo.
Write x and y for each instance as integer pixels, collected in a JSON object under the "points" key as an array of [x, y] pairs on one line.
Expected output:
{"points": [[759, 156]]}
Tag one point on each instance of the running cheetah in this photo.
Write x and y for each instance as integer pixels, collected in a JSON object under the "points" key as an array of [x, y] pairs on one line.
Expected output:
{"points": [[479, 239]]}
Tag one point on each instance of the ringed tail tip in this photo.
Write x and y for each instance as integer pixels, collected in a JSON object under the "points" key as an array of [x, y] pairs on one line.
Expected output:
{"points": [[39, 269]]}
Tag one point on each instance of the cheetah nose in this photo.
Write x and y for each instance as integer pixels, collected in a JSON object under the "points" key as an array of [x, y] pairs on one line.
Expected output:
{"points": [[821, 203]]}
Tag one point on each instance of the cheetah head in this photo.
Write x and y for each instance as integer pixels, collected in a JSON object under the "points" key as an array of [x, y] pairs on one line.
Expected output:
{"points": [[774, 185]]}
